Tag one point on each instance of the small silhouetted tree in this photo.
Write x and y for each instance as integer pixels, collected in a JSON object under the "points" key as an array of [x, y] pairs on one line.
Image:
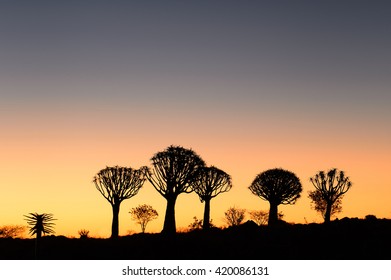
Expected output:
{"points": [[234, 216], [210, 182], [277, 186], [143, 214], [117, 184], [172, 172], [331, 186], [39, 224], [320, 205]]}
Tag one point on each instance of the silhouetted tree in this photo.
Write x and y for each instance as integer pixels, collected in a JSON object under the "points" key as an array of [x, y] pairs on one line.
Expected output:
{"points": [[320, 205], [210, 182], [143, 214], [38, 224], [117, 184], [234, 216], [172, 172], [278, 186], [331, 186]]}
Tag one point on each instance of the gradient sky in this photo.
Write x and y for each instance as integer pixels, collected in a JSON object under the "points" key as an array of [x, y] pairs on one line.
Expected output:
{"points": [[248, 85]]}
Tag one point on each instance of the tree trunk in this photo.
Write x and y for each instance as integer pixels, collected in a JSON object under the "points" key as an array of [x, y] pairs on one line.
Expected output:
{"points": [[169, 227], [206, 224], [143, 226], [115, 223], [273, 214], [37, 244], [327, 215]]}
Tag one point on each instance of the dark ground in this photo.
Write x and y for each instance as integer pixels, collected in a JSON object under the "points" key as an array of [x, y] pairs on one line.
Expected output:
{"points": [[354, 239]]}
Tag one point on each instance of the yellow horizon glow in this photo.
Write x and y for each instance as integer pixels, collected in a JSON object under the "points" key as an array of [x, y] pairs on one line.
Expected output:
{"points": [[53, 179]]}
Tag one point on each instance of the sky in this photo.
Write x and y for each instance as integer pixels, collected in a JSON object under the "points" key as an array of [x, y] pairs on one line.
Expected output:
{"points": [[248, 85]]}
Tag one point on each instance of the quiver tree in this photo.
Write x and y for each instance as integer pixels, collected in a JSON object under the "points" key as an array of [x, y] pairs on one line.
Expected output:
{"points": [[277, 186], [329, 188], [117, 184], [210, 182], [39, 224], [143, 214], [172, 172]]}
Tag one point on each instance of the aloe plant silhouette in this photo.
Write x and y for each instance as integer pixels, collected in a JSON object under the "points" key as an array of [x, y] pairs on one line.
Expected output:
{"points": [[39, 224]]}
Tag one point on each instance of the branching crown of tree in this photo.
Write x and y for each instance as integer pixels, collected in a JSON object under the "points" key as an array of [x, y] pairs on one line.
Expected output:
{"points": [[119, 183], [173, 170], [277, 185], [332, 185], [210, 182]]}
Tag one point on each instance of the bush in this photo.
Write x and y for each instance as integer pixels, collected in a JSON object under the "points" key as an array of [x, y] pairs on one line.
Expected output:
{"points": [[11, 231]]}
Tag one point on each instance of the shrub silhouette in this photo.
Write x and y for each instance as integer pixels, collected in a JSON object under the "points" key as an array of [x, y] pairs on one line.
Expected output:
{"points": [[234, 216], [84, 234], [261, 217], [320, 205], [331, 186], [208, 183], [172, 172], [370, 217], [11, 231], [143, 214], [278, 186], [117, 184], [198, 224]]}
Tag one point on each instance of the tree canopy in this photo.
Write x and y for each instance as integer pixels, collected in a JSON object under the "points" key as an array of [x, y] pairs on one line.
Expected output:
{"points": [[208, 183], [117, 184], [277, 186], [172, 172]]}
